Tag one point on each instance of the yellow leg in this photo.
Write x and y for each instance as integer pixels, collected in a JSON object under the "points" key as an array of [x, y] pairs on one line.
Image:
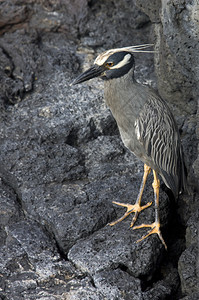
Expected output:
{"points": [[136, 208], [155, 227]]}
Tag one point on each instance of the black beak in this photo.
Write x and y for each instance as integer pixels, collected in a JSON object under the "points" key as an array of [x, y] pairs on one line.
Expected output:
{"points": [[93, 72]]}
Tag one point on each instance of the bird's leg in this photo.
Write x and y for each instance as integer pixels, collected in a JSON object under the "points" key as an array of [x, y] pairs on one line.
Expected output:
{"points": [[156, 225], [136, 208]]}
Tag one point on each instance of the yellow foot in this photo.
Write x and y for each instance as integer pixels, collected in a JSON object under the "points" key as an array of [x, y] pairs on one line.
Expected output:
{"points": [[136, 208], [155, 229]]}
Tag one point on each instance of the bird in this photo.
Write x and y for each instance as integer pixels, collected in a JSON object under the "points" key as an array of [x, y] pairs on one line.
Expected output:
{"points": [[147, 128]]}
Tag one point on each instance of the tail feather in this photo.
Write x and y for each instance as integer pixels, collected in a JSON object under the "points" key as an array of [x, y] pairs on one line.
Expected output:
{"points": [[182, 173], [171, 182], [177, 182]]}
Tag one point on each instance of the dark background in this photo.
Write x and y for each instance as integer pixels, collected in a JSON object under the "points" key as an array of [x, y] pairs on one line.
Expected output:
{"points": [[62, 162]]}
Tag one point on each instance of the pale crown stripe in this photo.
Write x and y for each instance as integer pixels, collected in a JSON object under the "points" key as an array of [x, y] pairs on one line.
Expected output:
{"points": [[100, 60]]}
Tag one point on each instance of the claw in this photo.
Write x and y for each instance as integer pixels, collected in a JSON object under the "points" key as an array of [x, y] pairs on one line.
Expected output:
{"points": [[136, 208], [140, 208], [155, 229]]}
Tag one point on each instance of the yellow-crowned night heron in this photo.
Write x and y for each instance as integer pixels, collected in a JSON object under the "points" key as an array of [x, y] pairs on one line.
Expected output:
{"points": [[146, 125]]}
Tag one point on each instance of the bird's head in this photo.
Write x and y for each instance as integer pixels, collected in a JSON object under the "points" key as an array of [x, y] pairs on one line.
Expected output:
{"points": [[112, 63]]}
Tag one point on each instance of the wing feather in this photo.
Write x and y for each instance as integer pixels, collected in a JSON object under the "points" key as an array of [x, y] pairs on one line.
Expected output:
{"points": [[160, 138]]}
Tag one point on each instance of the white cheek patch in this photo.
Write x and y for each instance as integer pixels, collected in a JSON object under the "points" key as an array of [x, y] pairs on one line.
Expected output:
{"points": [[123, 62], [100, 60]]}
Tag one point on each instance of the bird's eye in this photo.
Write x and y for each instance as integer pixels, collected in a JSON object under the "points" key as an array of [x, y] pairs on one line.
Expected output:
{"points": [[110, 64]]}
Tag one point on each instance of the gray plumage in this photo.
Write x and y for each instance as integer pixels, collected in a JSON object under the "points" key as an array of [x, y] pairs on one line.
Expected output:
{"points": [[147, 128]]}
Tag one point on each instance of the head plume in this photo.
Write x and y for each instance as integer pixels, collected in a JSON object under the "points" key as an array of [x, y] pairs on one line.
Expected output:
{"points": [[101, 58]]}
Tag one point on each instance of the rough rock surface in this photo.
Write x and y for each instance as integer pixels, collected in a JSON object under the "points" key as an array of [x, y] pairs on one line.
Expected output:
{"points": [[62, 161]]}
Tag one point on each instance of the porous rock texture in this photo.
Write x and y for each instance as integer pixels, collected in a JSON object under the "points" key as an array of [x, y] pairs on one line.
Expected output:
{"points": [[62, 162]]}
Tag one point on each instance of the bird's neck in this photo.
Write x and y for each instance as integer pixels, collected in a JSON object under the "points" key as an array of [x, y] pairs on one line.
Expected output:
{"points": [[118, 90]]}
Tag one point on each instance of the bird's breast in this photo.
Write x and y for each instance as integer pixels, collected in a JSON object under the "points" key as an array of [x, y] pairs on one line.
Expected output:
{"points": [[125, 106], [125, 100], [120, 99]]}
